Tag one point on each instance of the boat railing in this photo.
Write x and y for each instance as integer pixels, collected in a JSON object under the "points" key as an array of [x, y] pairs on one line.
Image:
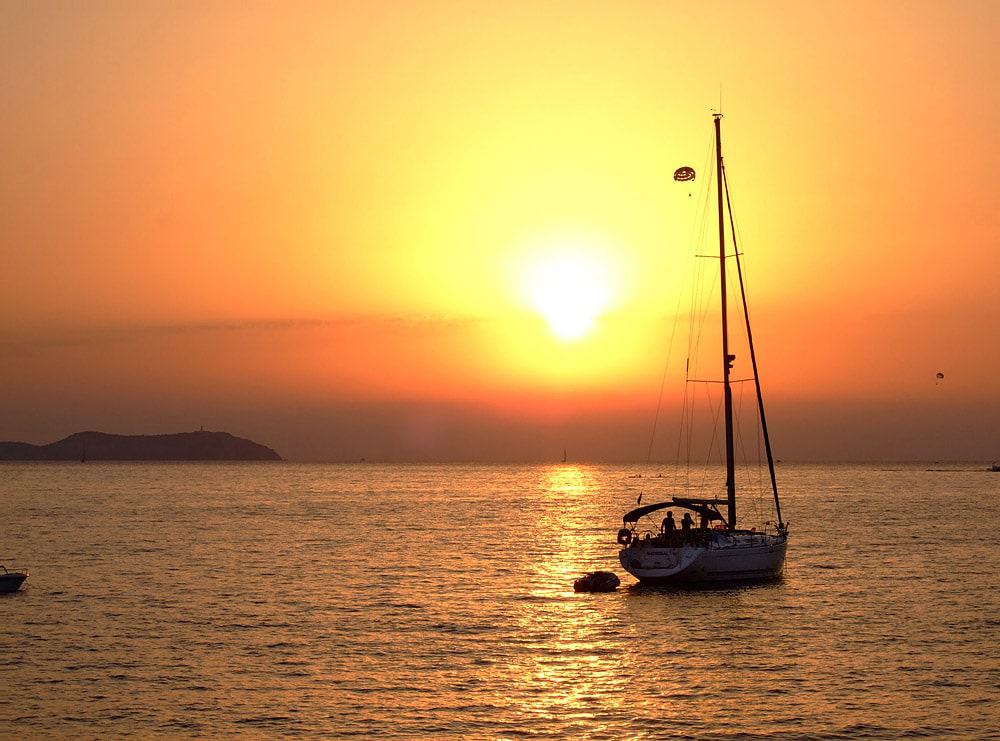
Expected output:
{"points": [[701, 537], [676, 538]]}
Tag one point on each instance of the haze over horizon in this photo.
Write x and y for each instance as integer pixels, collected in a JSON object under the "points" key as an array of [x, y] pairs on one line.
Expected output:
{"points": [[449, 231]]}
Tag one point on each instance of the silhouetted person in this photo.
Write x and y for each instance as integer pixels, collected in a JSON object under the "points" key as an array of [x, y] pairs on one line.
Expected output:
{"points": [[704, 522], [686, 524], [669, 526]]}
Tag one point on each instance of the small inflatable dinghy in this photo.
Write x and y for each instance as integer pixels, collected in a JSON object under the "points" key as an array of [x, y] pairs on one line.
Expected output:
{"points": [[10, 581], [597, 581]]}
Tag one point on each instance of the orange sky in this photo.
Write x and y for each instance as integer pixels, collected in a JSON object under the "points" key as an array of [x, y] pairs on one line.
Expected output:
{"points": [[319, 226]]}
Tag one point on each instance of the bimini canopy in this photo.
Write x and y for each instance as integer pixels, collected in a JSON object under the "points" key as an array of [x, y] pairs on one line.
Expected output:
{"points": [[704, 507], [635, 514]]}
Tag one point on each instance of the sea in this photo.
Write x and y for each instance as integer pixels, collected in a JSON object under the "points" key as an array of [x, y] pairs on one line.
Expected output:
{"points": [[436, 601]]}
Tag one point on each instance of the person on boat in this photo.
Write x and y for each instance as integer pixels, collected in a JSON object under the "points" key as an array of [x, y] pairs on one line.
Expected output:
{"points": [[686, 522], [669, 526], [703, 525]]}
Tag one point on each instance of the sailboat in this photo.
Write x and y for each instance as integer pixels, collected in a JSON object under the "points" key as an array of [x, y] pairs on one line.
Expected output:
{"points": [[717, 549]]}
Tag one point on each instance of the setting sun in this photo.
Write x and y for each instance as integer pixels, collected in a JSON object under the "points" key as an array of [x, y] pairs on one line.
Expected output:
{"points": [[570, 289]]}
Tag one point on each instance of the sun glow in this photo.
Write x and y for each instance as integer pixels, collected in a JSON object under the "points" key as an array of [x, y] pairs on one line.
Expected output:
{"points": [[570, 288]]}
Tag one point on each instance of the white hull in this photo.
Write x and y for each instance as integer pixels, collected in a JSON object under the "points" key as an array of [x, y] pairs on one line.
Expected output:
{"points": [[739, 557]]}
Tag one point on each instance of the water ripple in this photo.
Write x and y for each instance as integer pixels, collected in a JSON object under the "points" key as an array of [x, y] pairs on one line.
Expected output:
{"points": [[436, 602]]}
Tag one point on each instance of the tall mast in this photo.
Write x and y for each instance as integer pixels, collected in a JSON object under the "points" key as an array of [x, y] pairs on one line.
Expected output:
{"points": [[727, 359]]}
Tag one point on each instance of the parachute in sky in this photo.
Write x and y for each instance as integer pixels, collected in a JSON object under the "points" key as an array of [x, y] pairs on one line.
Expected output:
{"points": [[940, 376], [684, 174]]}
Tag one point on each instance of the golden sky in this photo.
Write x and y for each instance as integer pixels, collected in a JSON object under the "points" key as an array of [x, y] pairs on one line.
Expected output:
{"points": [[319, 224]]}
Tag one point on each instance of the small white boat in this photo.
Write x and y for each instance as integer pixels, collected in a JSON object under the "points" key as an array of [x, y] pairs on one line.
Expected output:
{"points": [[715, 550], [11, 581]]}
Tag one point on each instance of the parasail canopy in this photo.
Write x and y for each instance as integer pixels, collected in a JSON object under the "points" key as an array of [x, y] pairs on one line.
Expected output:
{"points": [[684, 174]]}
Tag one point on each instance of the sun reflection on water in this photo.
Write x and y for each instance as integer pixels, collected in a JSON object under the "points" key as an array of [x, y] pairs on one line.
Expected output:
{"points": [[569, 667], [570, 480]]}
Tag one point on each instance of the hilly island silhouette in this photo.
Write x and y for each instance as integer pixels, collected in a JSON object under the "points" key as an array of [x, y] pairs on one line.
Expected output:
{"points": [[202, 445]]}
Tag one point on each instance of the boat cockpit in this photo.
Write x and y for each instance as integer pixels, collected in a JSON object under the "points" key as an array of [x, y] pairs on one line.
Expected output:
{"points": [[711, 527]]}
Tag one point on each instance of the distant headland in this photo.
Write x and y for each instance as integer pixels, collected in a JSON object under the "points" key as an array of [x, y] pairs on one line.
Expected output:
{"points": [[181, 446]]}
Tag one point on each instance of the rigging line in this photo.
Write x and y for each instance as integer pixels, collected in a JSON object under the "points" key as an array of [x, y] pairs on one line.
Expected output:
{"points": [[701, 218], [687, 438], [680, 427], [698, 269], [698, 315], [699, 227], [747, 473], [760, 459], [703, 316], [699, 231], [737, 234], [745, 463], [663, 378], [709, 294], [701, 322], [688, 398], [670, 345], [694, 290], [753, 489], [689, 433], [753, 356], [695, 305], [760, 471], [687, 370], [684, 435], [715, 425], [711, 445], [706, 199]]}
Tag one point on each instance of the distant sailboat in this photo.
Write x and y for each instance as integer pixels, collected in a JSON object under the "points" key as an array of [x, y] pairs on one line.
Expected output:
{"points": [[722, 553], [564, 455]]}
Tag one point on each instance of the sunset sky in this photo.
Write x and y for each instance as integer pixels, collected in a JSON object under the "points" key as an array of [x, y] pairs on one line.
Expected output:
{"points": [[449, 231]]}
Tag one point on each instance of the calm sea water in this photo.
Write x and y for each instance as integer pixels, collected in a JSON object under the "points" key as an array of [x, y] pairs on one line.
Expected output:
{"points": [[437, 601]]}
